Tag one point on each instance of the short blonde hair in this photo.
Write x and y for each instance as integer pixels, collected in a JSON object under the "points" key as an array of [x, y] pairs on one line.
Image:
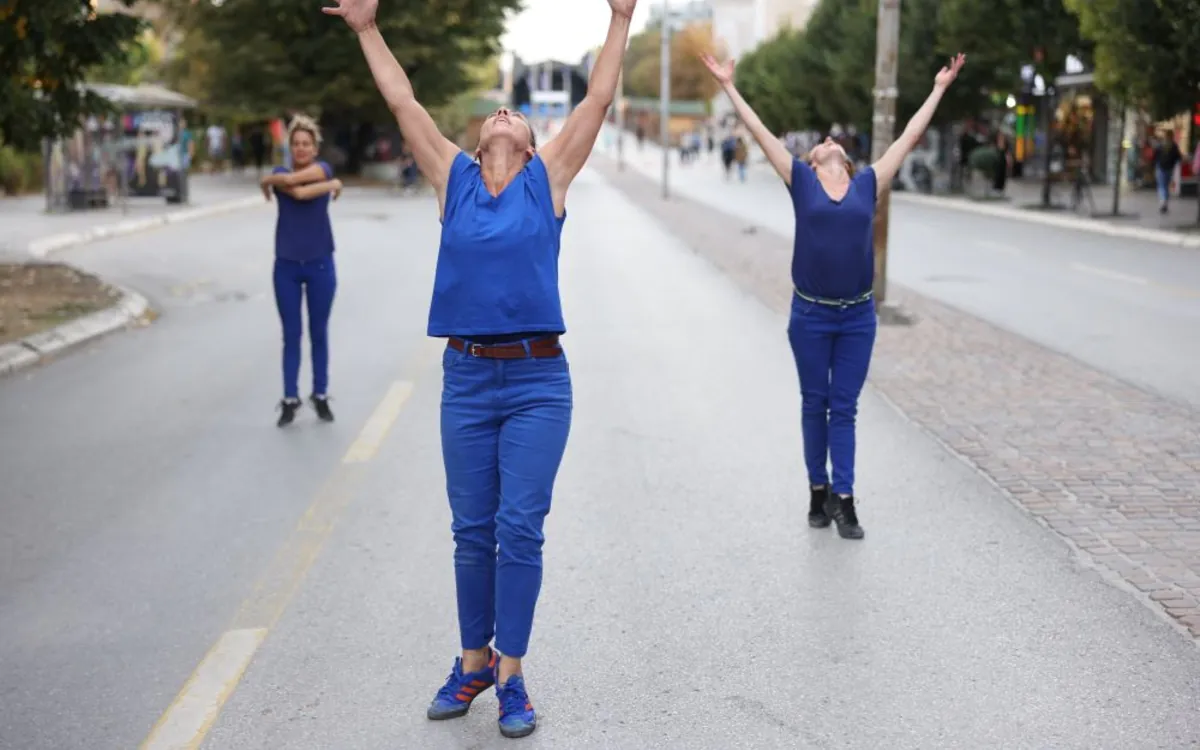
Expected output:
{"points": [[305, 124]]}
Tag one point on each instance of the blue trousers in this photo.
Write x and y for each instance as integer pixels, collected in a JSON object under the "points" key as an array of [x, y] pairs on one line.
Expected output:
{"points": [[504, 430], [295, 280], [1163, 178], [832, 347]]}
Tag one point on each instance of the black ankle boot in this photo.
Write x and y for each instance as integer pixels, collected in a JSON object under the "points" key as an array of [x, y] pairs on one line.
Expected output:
{"points": [[841, 510], [817, 517]]}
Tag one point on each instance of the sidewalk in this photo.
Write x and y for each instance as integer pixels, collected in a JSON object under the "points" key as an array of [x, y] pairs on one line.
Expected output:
{"points": [[28, 228], [703, 181]]}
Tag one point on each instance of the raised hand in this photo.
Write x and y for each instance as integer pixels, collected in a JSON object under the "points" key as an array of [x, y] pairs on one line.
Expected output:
{"points": [[622, 7], [947, 75], [723, 72], [359, 15]]}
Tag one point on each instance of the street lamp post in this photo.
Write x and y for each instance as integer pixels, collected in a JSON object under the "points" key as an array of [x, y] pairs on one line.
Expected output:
{"points": [[664, 103]]}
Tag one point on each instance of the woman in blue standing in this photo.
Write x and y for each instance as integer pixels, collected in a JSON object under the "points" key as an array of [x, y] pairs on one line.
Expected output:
{"points": [[304, 266], [832, 326], [506, 393]]}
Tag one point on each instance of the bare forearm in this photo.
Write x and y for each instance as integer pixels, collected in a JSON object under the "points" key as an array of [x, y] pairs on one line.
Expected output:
{"points": [[607, 71], [390, 78], [314, 190], [779, 156], [920, 121], [311, 173]]}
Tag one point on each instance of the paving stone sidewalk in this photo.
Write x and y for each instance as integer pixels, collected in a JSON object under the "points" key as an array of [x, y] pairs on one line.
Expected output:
{"points": [[1110, 468]]}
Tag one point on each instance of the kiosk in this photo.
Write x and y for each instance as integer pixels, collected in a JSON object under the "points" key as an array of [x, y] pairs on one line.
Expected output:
{"points": [[143, 150]]}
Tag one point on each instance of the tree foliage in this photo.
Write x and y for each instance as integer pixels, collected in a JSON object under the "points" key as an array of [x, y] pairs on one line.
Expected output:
{"points": [[139, 62], [47, 49], [825, 73], [270, 56], [1145, 50], [690, 80]]}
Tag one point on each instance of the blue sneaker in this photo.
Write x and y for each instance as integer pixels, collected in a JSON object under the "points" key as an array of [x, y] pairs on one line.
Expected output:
{"points": [[454, 699], [517, 718]]}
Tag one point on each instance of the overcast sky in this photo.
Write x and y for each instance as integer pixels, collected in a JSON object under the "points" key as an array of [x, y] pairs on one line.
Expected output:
{"points": [[563, 29]]}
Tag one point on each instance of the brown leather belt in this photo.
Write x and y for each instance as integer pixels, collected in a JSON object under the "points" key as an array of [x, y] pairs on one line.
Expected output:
{"points": [[543, 347]]}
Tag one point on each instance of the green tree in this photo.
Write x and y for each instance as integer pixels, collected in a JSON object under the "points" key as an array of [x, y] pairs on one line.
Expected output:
{"points": [[138, 62], [47, 49], [267, 57], [1001, 36], [1146, 50]]}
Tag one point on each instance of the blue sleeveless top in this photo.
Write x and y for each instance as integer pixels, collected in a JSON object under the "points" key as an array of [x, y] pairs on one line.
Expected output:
{"points": [[834, 253], [497, 267]]}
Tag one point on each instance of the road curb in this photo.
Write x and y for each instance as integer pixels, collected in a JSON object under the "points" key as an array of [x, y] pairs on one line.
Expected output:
{"points": [[1096, 226], [43, 247], [33, 350], [130, 308]]}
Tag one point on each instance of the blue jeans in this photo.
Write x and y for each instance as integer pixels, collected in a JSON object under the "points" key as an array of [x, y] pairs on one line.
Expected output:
{"points": [[832, 347], [504, 430], [293, 281], [1163, 177]]}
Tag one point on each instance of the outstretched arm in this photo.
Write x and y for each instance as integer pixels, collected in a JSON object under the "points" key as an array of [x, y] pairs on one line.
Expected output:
{"points": [[889, 164], [433, 152], [776, 152], [568, 152]]}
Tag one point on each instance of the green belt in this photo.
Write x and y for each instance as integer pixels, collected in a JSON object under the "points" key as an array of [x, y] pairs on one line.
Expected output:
{"points": [[834, 302]]}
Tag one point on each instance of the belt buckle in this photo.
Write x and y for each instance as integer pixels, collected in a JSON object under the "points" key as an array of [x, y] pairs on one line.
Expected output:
{"points": [[475, 350]]}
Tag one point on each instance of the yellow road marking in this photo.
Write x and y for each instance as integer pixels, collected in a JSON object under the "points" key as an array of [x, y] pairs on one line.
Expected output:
{"points": [[1109, 274], [377, 427], [196, 707]]}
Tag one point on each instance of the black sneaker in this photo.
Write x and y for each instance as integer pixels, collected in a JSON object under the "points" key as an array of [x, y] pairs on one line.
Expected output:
{"points": [[287, 411], [817, 517], [841, 510], [321, 404]]}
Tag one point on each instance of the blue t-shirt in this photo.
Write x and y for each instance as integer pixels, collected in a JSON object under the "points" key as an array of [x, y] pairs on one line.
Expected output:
{"points": [[497, 267], [834, 253], [303, 231]]}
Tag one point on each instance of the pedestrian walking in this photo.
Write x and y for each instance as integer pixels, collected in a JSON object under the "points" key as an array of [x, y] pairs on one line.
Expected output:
{"points": [[1167, 157], [833, 321], [506, 392], [304, 267]]}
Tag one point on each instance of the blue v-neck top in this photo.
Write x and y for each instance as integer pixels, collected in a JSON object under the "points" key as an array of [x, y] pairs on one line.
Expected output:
{"points": [[497, 267], [834, 254]]}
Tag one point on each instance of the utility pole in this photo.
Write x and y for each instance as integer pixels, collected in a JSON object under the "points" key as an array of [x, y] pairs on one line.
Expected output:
{"points": [[883, 129], [664, 104]]}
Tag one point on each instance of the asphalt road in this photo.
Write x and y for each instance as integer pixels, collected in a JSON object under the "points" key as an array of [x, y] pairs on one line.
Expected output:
{"points": [[1127, 307], [149, 509]]}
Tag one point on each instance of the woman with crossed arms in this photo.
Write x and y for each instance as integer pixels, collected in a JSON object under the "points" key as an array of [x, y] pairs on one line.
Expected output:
{"points": [[304, 267], [506, 392], [832, 327]]}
